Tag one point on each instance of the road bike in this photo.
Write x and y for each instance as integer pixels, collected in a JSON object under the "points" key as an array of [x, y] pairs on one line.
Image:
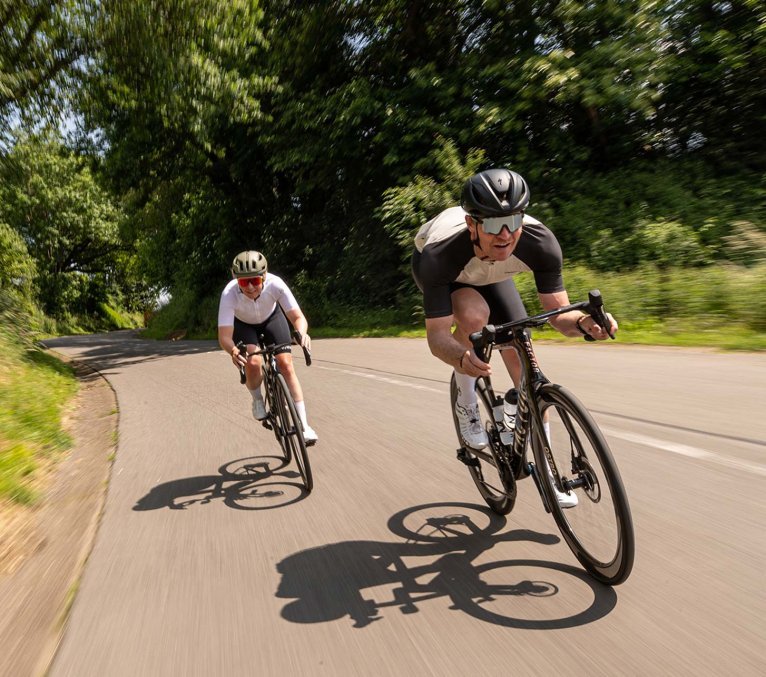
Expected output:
{"points": [[282, 416], [599, 529]]}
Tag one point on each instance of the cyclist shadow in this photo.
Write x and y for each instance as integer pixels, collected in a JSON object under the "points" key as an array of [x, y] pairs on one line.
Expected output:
{"points": [[326, 583], [255, 483]]}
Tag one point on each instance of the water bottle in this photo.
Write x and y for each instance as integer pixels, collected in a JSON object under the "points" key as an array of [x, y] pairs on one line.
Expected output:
{"points": [[509, 408], [498, 410]]}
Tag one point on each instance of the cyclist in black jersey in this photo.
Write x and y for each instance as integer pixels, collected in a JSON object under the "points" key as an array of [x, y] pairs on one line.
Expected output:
{"points": [[464, 262]]}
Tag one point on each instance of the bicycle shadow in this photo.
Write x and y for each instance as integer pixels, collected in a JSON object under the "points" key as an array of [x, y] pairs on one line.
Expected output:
{"points": [[327, 583], [254, 483]]}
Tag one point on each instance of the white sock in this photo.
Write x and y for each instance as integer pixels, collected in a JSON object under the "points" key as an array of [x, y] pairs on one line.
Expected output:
{"points": [[466, 393], [300, 407], [256, 394]]}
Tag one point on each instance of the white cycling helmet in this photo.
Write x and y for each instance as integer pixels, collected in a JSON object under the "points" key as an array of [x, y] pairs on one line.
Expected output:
{"points": [[249, 263]]}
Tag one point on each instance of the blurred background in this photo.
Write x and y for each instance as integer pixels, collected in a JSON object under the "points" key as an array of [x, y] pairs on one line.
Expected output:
{"points": [[144, 143]]}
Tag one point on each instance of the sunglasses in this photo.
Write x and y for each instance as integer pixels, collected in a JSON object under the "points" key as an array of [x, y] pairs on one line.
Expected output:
{"points": [[495, 225], [244, 282]]}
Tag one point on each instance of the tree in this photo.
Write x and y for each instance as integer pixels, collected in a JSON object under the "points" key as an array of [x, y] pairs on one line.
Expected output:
{"points": [[715, 102], [68, 223], [41, 42]]}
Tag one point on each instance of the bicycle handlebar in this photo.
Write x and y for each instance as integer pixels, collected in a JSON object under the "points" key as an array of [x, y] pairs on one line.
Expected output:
{"points": [[298, 337], [242, 347], [502, 333]]}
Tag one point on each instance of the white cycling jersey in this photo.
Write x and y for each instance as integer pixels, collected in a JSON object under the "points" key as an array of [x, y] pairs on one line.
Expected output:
{"points": [[235, 304]]}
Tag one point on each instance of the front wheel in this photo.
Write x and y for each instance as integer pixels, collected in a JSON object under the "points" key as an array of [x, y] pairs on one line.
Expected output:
{"points": [[489, 468], [599, 529], [294, 442], [278, 418]]}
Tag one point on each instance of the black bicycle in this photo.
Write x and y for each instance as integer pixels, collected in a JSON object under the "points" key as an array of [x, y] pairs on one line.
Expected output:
{"points": [[282, 416], [599, 529]]}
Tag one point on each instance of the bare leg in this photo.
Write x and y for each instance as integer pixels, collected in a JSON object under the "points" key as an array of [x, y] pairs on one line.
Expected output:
{"points": [[286, 368]]}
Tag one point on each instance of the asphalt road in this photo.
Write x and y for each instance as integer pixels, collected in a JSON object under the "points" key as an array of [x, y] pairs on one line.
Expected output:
{"points": [[210, 560]]}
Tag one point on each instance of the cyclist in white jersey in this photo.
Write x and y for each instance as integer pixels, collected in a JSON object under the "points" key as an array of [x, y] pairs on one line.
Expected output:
{"points": [[255, 304], [464, 262]]}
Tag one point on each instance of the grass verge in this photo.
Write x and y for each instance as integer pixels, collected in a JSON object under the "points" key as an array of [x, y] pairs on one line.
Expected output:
{"points": [[35, 388]]}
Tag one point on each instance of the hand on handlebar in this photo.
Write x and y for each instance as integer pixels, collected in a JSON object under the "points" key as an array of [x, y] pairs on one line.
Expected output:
{"points": [[472, 365], [305, 341], [594, 330], [238, 358]]}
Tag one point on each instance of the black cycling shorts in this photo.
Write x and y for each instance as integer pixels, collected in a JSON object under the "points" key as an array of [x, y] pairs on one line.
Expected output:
{"points": [[275, 330]]}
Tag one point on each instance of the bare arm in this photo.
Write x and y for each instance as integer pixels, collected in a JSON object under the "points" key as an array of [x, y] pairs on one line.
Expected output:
{"points": [[301, 325], [226, 341], [567, 323], [443, 345]]}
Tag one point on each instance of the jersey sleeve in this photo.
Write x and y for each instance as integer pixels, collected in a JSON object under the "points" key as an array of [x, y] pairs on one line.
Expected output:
{"points": [[226, 309], [437, 299], [285, 297], [539, 249]]}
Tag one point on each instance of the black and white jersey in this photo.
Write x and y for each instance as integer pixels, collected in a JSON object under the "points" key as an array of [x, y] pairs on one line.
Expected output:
{"points": [[444, 255]]}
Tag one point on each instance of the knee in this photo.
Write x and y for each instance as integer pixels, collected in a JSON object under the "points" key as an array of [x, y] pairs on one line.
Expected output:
{"points": [[285, 363], [473, 319]]}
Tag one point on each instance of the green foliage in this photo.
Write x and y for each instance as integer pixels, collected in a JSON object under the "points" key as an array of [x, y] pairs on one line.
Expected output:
{"points": [[715, 102], [618, 220], [40, 43], [408, 207], [325, 133], [34, 388], [68, 223], [17, 267], [712, 296], [186, 311]]}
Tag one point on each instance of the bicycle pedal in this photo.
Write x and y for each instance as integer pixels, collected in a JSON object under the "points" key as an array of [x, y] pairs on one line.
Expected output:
{"points": [[464, 457], [310, 443], [266, 424]]}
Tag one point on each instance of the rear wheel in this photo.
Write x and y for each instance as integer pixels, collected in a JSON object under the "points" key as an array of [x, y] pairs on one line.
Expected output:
{"points": [[599, 529], [294, 442], [489, 468]]}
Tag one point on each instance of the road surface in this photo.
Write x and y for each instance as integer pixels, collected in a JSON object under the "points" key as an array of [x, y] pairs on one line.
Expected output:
{"points": [[393, 565]]}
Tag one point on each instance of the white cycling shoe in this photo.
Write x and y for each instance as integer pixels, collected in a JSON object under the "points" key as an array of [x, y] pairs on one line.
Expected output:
{"points": [[470, 426], [309, 435], [259, 410], [564, 500]]}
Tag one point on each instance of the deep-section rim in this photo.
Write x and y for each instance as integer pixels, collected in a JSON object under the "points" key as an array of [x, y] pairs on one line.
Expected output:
{"points": [[619, 567]]}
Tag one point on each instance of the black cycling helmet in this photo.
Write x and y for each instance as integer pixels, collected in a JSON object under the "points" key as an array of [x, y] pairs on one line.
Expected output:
{"points": [[248, 264], [494, 192]]}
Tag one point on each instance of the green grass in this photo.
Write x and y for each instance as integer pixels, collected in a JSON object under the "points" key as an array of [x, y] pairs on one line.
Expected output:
{"points": [[34, 389], [673, 333]]}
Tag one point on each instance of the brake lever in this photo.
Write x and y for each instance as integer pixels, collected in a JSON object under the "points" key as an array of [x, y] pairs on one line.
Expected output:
{"points": [[596, 311], [242, 375], [298, 337]]}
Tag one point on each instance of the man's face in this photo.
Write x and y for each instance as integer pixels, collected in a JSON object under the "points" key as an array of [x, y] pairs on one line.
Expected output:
{"points": [[493, 247]]}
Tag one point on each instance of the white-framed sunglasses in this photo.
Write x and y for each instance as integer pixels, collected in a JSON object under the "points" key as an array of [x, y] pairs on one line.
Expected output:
{"points": [[494, 225]]}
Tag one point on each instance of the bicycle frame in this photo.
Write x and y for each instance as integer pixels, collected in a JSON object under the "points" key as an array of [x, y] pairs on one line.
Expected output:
{"points": [[512, 335], [597, 526], [282, 416]]}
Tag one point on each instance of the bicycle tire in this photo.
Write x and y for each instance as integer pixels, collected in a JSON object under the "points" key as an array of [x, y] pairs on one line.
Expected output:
{"points": [[599, 529], [500, 499], [294, 433], [278, 417]]}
